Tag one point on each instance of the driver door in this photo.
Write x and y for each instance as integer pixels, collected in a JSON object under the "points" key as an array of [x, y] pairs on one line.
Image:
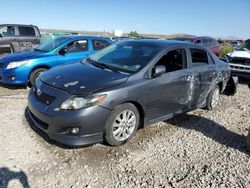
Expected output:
{"points": [[171, 92], [74, 51]]}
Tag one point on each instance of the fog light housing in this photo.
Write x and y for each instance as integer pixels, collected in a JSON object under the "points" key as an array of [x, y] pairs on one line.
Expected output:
{"points": [[74, 130]]}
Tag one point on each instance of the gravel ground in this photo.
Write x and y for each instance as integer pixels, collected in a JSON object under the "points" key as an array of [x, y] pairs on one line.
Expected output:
{"points": [[197, 149]]}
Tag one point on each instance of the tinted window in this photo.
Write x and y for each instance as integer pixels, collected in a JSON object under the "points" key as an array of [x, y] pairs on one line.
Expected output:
{"points": [[173, 60], [77, 46], [199, 57], [99, 44], [7, 31], [130, 56], [26, 31]]}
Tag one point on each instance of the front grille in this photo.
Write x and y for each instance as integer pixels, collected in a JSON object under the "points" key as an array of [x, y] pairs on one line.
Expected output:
{"points": [[239, 68], [40, 123], [43, 97]]}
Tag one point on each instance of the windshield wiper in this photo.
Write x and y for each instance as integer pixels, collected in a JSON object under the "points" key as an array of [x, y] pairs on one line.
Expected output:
{"points": [[101, 65]]}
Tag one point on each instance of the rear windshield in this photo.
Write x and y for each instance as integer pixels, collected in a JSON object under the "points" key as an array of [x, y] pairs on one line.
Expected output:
{"points": [[51, 45]]}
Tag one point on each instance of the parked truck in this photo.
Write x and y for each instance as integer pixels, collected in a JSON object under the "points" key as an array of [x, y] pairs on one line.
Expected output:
{"points": [[16, 37], [239, 60]]}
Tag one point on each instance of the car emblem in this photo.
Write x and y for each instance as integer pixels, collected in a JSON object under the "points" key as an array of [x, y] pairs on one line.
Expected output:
{"points": [[38, 92]]}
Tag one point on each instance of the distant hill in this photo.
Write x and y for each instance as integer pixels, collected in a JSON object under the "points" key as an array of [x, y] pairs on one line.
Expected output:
{"points": [[110, 34]]}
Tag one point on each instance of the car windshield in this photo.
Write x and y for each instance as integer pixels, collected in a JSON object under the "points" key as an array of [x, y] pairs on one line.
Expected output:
{"points": [[245, 45], [128, 57], [51, 45]]}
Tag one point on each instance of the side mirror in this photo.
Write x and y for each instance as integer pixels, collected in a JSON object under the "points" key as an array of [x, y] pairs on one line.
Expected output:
{"points": [[158, 70], [63, 51]]}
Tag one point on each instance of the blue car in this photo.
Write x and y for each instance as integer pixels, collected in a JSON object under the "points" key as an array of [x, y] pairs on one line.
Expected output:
{"points": [[22, 68]]}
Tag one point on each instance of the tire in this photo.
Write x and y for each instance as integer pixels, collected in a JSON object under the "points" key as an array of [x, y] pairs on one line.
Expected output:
{"points": [[124, 118], [34, 74], [213, 98]]}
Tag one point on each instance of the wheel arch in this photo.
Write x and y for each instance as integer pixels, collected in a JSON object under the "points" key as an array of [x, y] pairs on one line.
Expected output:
{"points": [[140, 109], [37, 67]]}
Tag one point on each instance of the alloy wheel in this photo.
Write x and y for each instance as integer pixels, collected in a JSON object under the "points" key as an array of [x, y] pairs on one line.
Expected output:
{"points": [[124, 125]]}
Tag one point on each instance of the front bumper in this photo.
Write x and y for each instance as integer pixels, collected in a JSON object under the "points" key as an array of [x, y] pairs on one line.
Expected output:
{"points": [[242, 71], [17, 76], [56, 124]]}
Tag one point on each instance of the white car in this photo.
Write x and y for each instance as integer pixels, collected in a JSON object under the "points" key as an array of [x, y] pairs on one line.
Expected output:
{"points": [[239, 60]]}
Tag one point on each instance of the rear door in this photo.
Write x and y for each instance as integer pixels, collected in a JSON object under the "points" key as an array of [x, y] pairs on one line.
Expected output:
{"points": [[28, 38], [98, 44], [205, 73]]}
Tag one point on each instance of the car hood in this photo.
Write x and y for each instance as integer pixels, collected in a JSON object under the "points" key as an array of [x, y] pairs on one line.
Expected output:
{"points": [[79, 78], [21, 56], [243, 54]]}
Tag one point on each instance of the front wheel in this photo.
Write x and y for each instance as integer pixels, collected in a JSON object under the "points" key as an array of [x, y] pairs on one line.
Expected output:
{"points": [[213, 98], [34, 75], [121, 124]]}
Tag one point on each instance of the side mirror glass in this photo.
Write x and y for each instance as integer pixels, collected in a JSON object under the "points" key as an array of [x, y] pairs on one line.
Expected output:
{"points": [[158, 70]]}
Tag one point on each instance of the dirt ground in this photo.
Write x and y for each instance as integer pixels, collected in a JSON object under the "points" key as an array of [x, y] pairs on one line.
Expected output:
{"points": [[198, 149]]}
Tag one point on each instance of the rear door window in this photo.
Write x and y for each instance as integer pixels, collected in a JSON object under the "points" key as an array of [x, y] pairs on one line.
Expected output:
{"points": [[199, 57], [26, 31], [99, 44]]}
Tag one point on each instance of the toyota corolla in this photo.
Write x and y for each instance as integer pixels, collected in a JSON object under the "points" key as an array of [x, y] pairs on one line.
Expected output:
{"points": [[126, 86]]}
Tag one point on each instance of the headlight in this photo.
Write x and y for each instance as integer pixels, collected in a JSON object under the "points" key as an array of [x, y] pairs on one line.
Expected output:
{"points": [[15, 64], [76, 102]]}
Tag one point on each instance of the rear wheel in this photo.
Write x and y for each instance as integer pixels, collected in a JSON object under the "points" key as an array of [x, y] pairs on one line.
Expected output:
{"points": [[34, 74], [121, 124], [213, 98]]}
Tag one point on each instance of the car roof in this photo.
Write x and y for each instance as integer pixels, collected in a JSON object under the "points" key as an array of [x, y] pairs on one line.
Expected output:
{"points": [[160, 42], [192, 37], [82, 37], [185, 37], [26, 25]]}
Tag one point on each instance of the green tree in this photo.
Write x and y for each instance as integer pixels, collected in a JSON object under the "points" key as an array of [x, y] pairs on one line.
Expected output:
{"points": [[225, 49], [133, 34]]}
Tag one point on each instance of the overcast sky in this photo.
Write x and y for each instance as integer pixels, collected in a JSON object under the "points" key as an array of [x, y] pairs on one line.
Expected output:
{"points": [[198, 17]]}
